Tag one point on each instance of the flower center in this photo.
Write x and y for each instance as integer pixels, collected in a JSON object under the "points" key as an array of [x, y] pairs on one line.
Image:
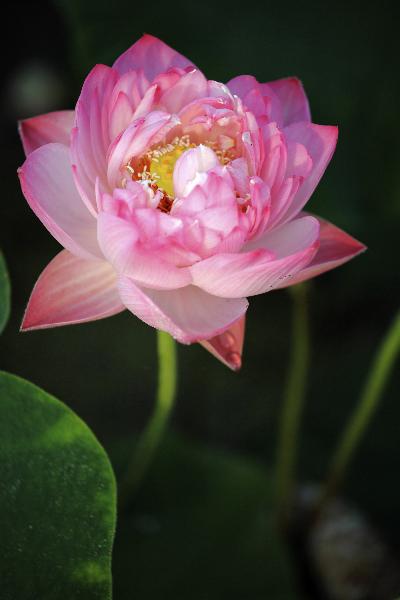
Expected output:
{"points": [[156, 167], [162, 162]]}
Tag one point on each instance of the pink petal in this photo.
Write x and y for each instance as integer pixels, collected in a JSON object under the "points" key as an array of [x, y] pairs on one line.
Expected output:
{"points": [[205, 112], [134, 141], [258, 211], [146, 103], [228, 346], [91, 136], [133, 84], [71, 290], [278, 255], [188, 314], [320, 142], [190, 166], [119, 241], [241, 85], [299, 162], [189, 87], [336, 247], [252, 145], [164, 81], [254, 95], [294, 103], [283, 198], [152, 55], [248, 89], [275, 149], [120, 115], [44, 129], [289, 238], [48, 185], [131, 98]]}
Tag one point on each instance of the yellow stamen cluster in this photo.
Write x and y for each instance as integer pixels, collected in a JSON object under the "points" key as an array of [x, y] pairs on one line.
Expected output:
{"points": [[157, 166], [162, 162]]}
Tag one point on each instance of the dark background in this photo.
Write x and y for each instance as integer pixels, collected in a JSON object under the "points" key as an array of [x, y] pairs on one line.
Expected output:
{"points": [[347, 57]]}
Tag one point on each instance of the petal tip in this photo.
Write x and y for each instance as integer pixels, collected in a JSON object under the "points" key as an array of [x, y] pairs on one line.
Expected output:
{"points": [[27, 323], [234, 360], [31, 319], [359, 248], [228, 345], [23, 328]]}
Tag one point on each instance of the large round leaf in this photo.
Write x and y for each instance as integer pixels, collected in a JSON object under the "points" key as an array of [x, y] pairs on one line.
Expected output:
{"points": [[4, 293], [57, 498], [202, 527]]}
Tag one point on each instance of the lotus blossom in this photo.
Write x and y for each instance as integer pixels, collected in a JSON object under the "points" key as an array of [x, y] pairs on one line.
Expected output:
{"points": [[177, 198]]}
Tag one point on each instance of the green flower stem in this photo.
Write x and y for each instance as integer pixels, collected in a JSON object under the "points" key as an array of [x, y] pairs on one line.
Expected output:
{"points": [[367, 406], [154, 431], [293, 403]]}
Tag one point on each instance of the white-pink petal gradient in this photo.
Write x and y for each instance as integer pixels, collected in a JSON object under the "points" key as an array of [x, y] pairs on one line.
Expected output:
{"points": [[122, 247], [71, 290], [189, 314], [336, 247], [90, 138], [278, 256], [47, 183]]}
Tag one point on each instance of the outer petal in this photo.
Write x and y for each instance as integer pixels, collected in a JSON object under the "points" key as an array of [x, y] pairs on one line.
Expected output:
{"points": [[48, 185], [188, 314], [228, 346], [279, 256], [336, 247], [90, 137], [291, 94], [44, 129], [320, 142], [152, 55], [118, 239], [71, 290], [255, 95], [248, 89]]}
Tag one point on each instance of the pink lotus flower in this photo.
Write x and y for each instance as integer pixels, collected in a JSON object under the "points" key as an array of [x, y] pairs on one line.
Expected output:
{"points": [[177, 198]]}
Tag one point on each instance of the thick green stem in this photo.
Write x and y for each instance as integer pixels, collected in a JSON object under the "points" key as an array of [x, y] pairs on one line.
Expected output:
{"points": [[154, 431], [365, 410], [293, 403]]}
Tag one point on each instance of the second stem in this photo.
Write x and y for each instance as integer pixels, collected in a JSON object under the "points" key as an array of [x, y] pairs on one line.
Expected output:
{"points": [[293, 404]]}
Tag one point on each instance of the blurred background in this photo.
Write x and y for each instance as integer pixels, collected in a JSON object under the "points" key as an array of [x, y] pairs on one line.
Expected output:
{"points": [[346, 54]]}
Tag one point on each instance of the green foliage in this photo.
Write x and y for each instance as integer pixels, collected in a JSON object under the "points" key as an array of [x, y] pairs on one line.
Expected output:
{"points": [[5, 293], [57, 495], [201, 527]]}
